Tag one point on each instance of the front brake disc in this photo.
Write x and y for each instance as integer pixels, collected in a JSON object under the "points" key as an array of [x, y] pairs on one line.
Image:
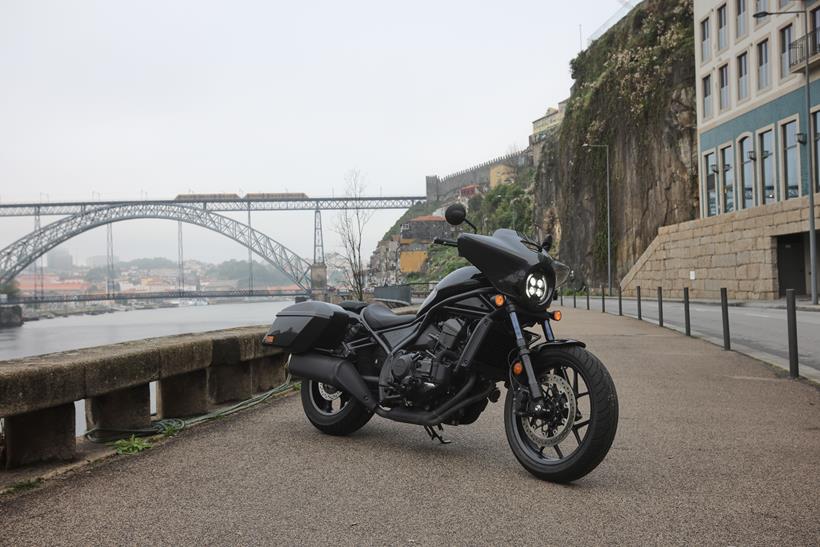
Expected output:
{"points": [[557, 391]]}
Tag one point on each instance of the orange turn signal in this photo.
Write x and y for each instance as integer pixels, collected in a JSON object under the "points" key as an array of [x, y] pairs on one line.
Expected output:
{"points": [[518, 368], [556, 315], [499, 300]]}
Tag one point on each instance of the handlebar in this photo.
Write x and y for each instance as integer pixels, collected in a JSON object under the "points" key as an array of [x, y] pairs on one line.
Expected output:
{"points": [[447, 242]]}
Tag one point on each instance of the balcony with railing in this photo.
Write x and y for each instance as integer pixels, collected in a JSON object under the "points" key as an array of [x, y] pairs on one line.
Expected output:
{"points": [[805, 45]]}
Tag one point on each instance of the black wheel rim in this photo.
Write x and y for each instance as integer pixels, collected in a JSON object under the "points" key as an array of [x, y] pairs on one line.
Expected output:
{"points": [[326, 399], [541, 440]]}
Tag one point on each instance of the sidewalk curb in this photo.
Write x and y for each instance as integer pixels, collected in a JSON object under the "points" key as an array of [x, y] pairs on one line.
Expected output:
{"points": [[807, 373], [716, 303]]}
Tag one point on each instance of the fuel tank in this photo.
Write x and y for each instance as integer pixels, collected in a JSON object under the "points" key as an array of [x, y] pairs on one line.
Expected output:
{"points": [[461, 280]]}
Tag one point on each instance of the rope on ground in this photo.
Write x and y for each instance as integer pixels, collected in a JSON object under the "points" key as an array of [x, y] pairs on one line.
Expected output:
{"points": [[171, 426]]}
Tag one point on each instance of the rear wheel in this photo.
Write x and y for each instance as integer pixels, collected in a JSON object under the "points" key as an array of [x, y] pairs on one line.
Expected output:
{"points": [[579, 418], [331, 410]]}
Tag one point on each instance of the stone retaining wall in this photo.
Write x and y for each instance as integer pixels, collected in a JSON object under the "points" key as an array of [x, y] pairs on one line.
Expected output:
{"points": [[193, 371], [736, 250]]}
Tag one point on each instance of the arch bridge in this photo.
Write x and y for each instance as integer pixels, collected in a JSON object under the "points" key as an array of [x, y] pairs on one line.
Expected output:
{"points": [[26, 250]]}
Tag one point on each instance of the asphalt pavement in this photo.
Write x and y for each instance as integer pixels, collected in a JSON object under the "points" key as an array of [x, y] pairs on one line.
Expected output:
{"points": [[756, 331], [713, 448]]}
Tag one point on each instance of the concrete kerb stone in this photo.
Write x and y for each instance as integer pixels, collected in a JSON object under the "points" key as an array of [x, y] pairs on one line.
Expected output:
{"points": [[27, 385], [45, 434], [127, 408], [42, 389]]}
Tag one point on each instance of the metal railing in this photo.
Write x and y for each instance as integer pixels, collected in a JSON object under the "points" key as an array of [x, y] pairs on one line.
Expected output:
{"points": [[799, 47], [725, 330]]}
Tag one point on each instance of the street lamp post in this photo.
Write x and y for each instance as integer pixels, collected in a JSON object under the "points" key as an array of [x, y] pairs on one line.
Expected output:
{"points": [[608, 220], [808, 142]]}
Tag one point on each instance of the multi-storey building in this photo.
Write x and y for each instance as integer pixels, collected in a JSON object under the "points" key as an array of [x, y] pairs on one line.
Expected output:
{"points": [[754, 145], [751, 103], [753, 135]]}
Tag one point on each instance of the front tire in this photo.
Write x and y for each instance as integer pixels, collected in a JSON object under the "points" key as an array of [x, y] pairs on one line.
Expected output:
{"points": [[582, 416], [332, 411]]}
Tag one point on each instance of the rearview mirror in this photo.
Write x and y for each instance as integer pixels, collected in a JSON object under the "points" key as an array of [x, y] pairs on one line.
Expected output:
{"points": [[547, 244], [455, 214]]}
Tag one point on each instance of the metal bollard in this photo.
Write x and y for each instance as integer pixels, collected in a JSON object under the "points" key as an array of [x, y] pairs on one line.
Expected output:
{"points": [[686, 311], [660, 307], [575, 300], [587, 297], [724, 306], [791, 326], [561, 296], [639, 302], [620, 302], [603, 300]]}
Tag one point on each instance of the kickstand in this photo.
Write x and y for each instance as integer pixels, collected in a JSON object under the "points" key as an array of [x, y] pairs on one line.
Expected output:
{"points": [[434, 435]]}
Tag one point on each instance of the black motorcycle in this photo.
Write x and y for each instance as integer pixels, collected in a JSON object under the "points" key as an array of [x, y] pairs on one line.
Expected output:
{"points": [[442, 365]]}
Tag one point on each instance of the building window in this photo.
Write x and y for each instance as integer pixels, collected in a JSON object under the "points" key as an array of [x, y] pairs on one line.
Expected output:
{"points": [[747, 173], [723, 74], [741, 18], [767, 182], [707, 97], [742, 76], [723, 27], [763, 64], [790, 159], [727, 179], [815, 27], [761, 5], [711, 183], [785, 55], [705, 41], [816, 119]]}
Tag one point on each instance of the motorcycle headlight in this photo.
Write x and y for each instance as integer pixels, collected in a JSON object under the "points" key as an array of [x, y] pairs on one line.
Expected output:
{"points": [[537, 288]]}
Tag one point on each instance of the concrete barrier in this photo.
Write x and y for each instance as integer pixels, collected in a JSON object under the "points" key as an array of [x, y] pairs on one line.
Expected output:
{"points": [[193, 371]]}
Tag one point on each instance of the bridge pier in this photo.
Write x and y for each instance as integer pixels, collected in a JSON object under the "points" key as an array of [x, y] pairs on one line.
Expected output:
{"points": [[46, 434]]}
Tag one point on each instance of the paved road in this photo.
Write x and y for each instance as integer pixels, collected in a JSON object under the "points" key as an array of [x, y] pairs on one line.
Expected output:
{"points": [[712, 448], [760, 332]]}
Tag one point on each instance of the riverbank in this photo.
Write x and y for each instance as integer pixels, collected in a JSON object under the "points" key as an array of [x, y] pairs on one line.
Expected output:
{"points": [[11, 316]]}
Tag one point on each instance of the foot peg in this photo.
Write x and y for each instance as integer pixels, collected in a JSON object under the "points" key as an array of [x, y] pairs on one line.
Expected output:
{"points": [[435, 435]]}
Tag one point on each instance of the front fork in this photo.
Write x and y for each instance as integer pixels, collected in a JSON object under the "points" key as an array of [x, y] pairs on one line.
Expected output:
{"points": [[536, 394]]}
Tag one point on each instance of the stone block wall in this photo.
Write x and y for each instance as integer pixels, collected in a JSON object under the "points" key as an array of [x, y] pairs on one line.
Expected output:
{"points": [[736, 250]]}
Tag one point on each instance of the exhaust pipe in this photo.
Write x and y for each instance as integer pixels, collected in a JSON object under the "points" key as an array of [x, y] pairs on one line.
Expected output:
{"points": [[440, 414], [335, 371]]}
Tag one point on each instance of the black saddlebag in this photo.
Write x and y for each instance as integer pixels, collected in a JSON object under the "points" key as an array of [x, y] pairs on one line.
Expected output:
{"points": [[307, 325]]}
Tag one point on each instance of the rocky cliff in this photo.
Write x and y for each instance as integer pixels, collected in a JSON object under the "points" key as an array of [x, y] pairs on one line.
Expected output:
{"points": [[635, 92]]}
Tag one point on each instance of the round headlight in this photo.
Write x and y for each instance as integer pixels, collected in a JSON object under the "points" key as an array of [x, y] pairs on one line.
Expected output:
{"points": [[536, 287]]}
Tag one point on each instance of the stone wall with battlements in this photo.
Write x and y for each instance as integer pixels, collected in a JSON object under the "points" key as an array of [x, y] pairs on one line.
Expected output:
{"points": [[443, 188]]}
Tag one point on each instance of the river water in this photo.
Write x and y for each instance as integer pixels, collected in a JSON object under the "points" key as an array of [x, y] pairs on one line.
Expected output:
{"points": [[82, 331]]}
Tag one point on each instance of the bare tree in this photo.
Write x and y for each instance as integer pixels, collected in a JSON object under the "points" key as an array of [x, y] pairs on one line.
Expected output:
{"points": [[350, 226]]}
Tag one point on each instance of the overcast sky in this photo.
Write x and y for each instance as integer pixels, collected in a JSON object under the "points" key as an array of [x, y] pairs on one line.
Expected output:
{"points": [[122, 99]]}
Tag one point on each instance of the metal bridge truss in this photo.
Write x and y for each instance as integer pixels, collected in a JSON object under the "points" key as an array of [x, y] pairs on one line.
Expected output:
{"points": [[167, 295], [238, 205], [24, 251]]}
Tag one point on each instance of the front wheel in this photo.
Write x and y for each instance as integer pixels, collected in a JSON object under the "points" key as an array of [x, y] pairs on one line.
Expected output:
{"points": [[331, 410], [579, 416]]}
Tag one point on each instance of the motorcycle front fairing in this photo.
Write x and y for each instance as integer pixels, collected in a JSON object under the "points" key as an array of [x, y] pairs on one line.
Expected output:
{"points": [[506, 258]]}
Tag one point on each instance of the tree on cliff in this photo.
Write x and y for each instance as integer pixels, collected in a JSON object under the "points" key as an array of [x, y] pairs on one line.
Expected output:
{"points": [[10, 289], [350, 226]]}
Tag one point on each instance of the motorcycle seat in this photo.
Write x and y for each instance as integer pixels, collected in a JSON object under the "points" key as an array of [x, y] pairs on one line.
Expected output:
{"points": [[354, 306], [379, 316]]}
